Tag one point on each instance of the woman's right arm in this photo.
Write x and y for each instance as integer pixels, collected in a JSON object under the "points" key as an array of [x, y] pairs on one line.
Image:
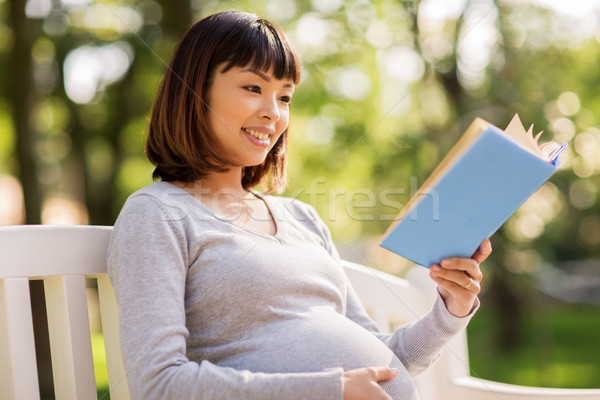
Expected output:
{"points": [[147, 265]]}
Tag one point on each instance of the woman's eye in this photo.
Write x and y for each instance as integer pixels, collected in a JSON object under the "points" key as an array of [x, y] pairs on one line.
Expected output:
{"points": [[253, 89]]}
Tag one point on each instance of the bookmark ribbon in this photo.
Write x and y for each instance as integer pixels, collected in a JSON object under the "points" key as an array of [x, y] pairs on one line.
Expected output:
{"points": [[555, 156]]}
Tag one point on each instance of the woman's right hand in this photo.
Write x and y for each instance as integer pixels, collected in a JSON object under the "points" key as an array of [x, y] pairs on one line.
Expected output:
{"points": [[360, 384]]}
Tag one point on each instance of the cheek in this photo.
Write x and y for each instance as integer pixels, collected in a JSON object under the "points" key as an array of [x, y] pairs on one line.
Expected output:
{"points": [[221, 117], [224, 107]]}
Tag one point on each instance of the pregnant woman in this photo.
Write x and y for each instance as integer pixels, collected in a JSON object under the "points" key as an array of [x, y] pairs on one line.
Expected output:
{"points": [[228, 293]]}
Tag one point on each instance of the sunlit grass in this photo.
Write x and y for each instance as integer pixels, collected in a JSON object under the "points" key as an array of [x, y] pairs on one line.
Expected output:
{"points": [[100, 365], [558, 348]]}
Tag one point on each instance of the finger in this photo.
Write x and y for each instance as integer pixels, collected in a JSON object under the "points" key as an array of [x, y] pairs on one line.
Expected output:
{"points": [[466, 291], [483, 252], [466, 265], [459, 277], [383, 373], [473, 286]]}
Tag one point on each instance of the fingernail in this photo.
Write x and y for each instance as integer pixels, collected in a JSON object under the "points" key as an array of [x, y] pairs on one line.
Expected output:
{"points": [[395, 370], [445, 262]]}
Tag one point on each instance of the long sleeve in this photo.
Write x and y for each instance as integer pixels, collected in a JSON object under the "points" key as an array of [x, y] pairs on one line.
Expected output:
{"points": [[148, 264], [417, 344]]}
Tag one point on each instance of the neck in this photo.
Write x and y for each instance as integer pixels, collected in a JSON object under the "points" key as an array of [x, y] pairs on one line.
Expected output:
{"points": [[226, 185]]}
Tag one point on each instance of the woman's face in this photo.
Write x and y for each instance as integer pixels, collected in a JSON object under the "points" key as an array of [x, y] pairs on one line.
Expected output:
{"points": [[248, 111]]}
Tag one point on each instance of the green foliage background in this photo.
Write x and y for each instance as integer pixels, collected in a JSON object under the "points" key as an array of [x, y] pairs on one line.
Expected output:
{"points": [[388, 87]]}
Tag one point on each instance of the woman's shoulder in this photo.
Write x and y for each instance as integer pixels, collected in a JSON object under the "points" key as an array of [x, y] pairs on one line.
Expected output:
{"points": [[158, 199], [163, 192]]}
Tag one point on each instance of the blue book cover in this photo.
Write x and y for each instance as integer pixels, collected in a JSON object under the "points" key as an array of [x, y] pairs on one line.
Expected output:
{"points": [[483, 183]]}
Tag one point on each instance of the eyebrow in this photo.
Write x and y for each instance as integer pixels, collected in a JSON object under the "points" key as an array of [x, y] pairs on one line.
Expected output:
{"points": [[265, 77]]}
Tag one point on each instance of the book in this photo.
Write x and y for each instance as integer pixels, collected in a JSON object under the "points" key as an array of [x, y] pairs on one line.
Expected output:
{"points": [[480, 183]]}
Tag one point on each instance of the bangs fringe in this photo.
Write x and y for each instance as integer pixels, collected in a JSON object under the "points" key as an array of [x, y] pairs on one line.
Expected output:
{"points": [[263, 47]]}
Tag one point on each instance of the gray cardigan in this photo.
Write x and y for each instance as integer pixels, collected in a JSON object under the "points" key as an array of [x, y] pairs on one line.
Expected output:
{"points": [[212, 310]]}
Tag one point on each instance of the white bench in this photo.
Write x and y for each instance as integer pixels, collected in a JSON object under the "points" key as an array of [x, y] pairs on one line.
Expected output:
{"points": [[64, 256]]}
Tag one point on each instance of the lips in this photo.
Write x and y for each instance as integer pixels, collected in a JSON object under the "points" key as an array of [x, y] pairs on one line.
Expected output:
{"points": [[256, 138]]}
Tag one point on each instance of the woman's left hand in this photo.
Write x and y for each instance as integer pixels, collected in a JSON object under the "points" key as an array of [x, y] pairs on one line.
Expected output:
{"points": [[459, 279]]}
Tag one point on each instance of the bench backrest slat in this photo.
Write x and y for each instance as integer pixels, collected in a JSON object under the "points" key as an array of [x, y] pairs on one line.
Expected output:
{"points": [[70, 337], [110, 327], [18, 369]]}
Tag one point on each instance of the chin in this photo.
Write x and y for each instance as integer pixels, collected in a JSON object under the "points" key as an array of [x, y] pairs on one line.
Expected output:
{"points": [[251, 162], [254, 161]]}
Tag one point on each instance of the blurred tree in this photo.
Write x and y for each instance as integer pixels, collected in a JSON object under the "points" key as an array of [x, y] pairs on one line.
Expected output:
{"points": [[21, 98], [122, 102], [125, 102]]}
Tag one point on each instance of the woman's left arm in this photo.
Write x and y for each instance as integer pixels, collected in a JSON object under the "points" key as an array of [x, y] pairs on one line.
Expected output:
{"points": [[459, 280], [419, 343]]}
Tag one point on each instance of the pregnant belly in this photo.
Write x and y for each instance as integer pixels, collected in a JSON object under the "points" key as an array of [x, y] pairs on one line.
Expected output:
{"points": [[315, 341]]}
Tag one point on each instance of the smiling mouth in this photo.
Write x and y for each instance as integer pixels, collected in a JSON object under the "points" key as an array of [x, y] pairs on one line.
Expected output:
{"points": [[258, 135]]}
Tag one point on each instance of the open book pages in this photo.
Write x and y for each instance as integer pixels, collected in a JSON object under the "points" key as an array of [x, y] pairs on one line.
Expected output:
{"points": [[525, 139]]}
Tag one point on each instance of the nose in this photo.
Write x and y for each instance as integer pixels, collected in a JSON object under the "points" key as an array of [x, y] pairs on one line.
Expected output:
{"points": [[270, 110]]}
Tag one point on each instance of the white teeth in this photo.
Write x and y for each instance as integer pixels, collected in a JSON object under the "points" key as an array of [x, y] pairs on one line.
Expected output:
{"points": [[258, 135]]}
